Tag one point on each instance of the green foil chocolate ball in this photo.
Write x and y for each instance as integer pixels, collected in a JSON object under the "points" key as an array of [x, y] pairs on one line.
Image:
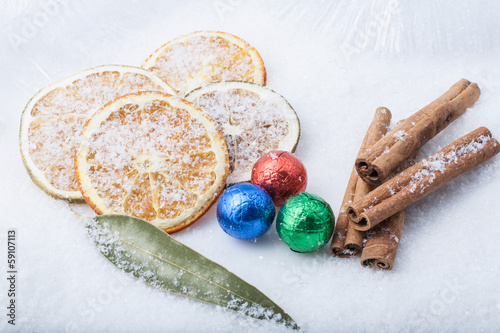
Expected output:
{"points": [[305, 222]]}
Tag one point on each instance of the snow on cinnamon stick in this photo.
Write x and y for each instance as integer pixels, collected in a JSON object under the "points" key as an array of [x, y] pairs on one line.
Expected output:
{"points": [[376, 164], [382, 243], [348, 241], [423, 178]]}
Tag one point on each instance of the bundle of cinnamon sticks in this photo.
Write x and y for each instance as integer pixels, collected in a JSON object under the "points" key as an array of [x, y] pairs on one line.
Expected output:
{"points": [[382, 184]]}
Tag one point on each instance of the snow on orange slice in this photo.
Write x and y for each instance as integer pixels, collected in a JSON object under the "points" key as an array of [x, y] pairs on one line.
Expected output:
{"points": [[53, 120], [195, 59], [152, 156], [253, 119]]}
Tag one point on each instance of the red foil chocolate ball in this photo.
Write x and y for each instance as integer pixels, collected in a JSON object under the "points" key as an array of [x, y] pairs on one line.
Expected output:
{"points": [[281, 174]]}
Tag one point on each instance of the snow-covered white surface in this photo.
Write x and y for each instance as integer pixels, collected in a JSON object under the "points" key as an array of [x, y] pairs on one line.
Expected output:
{"points": [[335, 62]]}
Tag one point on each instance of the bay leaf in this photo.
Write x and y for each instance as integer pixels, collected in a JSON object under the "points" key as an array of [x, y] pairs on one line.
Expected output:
{"points": [[153, 256]]}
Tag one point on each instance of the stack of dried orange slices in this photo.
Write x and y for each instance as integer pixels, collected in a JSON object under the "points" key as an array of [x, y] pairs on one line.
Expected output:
{"points": [[224, 76], [53, 119], [139, 150]]}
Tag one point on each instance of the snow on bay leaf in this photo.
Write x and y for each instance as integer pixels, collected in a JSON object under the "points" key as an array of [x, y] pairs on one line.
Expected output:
{"points": [[154, 257]]}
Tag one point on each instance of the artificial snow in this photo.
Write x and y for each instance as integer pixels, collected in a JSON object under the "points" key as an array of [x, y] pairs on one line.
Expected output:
{"points": [[439, 162], [400, 136], [335, 62], [130, 160], [253, 122], [58, 116], [191, 61]]}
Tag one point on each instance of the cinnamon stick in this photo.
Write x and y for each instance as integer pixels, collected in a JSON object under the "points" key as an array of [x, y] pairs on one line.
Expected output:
{"points": [[377, 128], [382, 243], [339, 234], [422, 178], [354, 238], [376, 164]]}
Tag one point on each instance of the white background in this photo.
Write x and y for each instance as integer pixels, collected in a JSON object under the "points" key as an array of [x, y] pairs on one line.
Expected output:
{"points": [[335, 62]]}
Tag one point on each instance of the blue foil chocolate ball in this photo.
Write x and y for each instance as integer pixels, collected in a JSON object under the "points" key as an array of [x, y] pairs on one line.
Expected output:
{"points": [[245, 211]]}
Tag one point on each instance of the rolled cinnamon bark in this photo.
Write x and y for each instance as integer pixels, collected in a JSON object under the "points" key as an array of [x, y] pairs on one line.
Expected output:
{"points": [[339, 234], [422, 178], [376, 164], [382, 243], [354, 238], [377, 128]]}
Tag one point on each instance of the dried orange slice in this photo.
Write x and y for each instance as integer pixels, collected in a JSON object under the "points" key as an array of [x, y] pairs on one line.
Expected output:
{"points": [[53, 119], [253, 119], [152, 156], [193, 60]]}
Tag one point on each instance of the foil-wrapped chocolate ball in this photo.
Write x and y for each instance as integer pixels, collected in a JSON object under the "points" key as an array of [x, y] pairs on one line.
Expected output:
{"points": [[281, 174], [305, 222], [245, 211]]}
